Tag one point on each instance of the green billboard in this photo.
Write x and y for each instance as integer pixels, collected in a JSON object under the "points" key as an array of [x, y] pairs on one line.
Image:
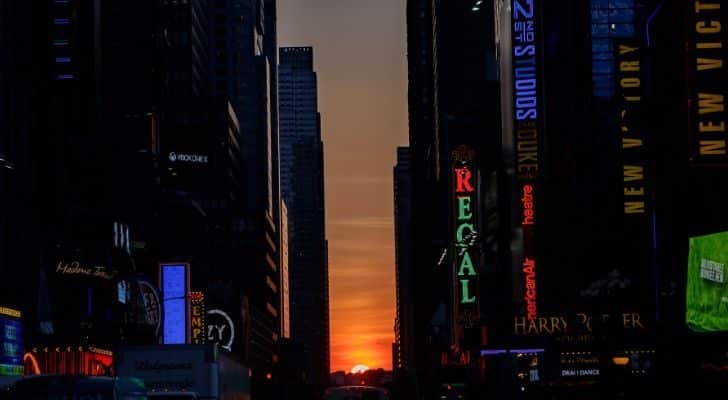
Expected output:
{"points": [[707, 291]]}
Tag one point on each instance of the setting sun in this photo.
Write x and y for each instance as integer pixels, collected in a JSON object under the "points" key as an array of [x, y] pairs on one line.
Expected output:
{"points": [[359, 369]]}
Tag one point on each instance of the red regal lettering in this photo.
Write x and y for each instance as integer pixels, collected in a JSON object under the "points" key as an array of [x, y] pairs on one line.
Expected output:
{"points": [[463, 180]]}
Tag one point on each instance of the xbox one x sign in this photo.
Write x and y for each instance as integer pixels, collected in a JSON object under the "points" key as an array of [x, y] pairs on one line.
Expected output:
{"points": [[187, 158]]}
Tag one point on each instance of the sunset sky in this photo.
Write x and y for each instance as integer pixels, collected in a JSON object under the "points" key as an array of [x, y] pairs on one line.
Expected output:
{"points": [[360, 58]]}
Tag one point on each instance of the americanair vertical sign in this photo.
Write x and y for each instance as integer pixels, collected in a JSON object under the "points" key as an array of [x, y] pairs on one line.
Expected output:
{"points": [[527, 132], [465, 205]]}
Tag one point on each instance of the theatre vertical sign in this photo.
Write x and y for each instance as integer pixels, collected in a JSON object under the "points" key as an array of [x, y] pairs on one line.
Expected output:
{"points": [[707, 82], [466, 267], [527, 134]]}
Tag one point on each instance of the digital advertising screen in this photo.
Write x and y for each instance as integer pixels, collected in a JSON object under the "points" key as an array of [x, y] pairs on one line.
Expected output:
{"points": [[175, 283], [707, 291], [11, 352]]}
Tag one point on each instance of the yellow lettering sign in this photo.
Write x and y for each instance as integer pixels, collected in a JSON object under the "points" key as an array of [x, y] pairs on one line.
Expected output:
{"points": [[712, 147], [710, 103]]}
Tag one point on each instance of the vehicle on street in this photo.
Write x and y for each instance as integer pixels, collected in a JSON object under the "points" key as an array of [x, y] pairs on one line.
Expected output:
{"points": [[356, 393], [168, 395]]}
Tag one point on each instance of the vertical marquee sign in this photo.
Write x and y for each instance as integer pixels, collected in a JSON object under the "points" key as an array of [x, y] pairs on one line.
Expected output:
{"points": [[629, 77], [466, 252], [197, 318], [527, 132], [707, 24]]}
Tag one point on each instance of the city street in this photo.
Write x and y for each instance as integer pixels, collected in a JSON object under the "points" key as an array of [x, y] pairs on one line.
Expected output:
{"points": [[363, 200]]}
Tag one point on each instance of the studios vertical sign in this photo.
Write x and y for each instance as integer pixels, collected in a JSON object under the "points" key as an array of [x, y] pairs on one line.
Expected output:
{"points": [[527, 125]]}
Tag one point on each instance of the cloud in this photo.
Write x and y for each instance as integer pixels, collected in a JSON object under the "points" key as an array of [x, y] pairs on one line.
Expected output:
{"points": [[365, 222], [359, 180]]}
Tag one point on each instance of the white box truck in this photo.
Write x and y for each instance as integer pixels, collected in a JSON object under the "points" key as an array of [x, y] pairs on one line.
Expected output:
{"points": [[202, 369]]}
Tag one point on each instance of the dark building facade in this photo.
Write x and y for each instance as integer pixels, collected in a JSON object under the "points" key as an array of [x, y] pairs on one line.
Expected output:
{"points": [[9, 129], [550, 169], [453, 129], [80, 143], [138, 149], [403, 357], [302, 188]]}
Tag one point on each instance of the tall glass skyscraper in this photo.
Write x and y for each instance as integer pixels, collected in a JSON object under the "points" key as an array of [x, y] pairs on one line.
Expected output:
{"points": [[302, 188]]}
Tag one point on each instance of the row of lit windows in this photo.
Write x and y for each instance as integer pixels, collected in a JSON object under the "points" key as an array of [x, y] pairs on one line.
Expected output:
{"points": [[611, 20], [60, 43]]}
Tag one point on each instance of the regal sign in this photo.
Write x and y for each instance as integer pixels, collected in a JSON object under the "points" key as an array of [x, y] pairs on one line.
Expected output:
{"points": [[466, 276]]}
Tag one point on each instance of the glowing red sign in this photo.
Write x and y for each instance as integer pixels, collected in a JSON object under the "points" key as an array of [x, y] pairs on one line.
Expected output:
{"points": [[527, 201], [529, 262], [529, 274]]}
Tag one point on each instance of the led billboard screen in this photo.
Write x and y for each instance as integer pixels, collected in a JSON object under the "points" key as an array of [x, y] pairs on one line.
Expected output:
{"points": [[707, 291], [11, 352], [175, 286]]}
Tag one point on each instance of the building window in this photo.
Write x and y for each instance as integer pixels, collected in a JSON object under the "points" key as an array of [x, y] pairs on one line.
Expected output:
{"points": [[610, 20]]}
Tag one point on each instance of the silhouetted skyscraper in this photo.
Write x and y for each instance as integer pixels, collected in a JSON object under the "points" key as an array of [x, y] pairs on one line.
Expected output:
{"points": [[243, 71], [404, 350], [302, 187]]}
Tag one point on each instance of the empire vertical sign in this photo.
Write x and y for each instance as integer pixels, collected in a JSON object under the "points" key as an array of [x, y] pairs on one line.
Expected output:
{"points": [[466, 276], [707, 82], [527, 135], [197, 318]]}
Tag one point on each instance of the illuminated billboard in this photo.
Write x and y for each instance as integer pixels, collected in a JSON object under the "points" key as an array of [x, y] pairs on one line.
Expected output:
{"points": [[197, 318], [707, 290], [11, 339], [175, 281], [466, 276], [527, 147], [707, 82]]}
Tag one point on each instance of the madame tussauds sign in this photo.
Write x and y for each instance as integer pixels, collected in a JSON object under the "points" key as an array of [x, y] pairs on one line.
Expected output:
{"points": [[75, 268]]}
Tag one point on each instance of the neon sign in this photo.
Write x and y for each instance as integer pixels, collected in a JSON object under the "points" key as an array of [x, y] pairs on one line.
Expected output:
{"points": [[529, 272], [466, 275], [527, 201], [75, 268], [9, 312], [197, 317], [527, 138], [525, 84], [220, 329]]}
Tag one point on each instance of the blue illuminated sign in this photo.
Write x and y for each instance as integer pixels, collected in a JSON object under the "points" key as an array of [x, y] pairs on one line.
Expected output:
{"points": [[524, 61], [11, 352], [174, 280]]}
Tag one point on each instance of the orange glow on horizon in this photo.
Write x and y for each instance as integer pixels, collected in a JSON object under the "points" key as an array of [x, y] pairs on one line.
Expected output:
{"points": [[359, 369], [362, 73]]}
